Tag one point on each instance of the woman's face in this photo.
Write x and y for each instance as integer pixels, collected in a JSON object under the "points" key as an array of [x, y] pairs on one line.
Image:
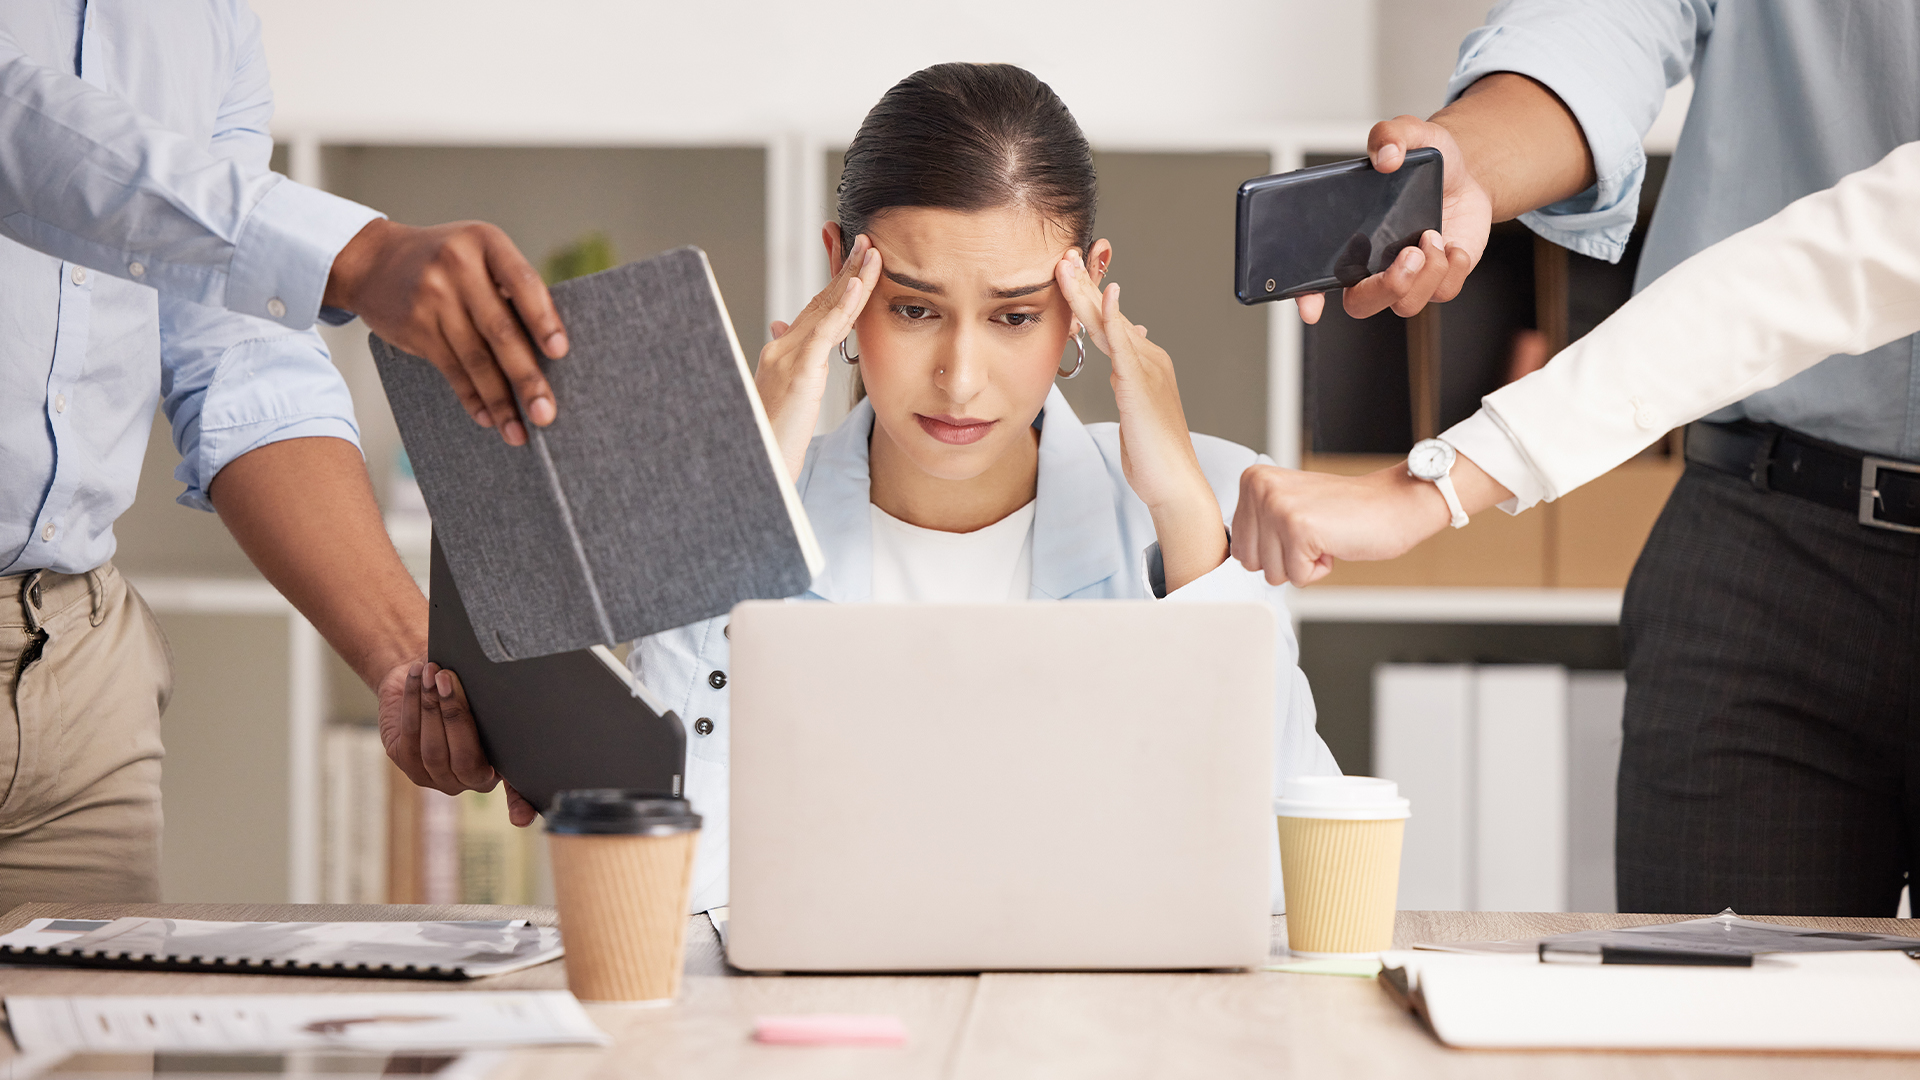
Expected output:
{"points": [[964, 333]]}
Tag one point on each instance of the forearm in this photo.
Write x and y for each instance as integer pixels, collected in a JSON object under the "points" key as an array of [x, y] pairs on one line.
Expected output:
{"points": [[1520, 142], [1193, 539], [1476, 490], [1836, 272], [303, 511]]}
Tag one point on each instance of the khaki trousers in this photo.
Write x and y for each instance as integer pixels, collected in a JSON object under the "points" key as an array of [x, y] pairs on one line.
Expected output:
{"points": [[84, 675]]}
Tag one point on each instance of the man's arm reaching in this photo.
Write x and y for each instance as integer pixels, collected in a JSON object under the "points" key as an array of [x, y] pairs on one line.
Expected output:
{"points": [[304, 512]]}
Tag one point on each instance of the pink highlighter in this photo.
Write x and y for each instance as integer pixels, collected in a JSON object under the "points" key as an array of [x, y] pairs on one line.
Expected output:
{"points": [[830, 1029]]}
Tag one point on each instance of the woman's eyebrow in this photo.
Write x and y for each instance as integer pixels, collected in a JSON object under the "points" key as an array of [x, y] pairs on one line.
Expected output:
{"points": [[934, 290], [914, 283], [1022, 290]]}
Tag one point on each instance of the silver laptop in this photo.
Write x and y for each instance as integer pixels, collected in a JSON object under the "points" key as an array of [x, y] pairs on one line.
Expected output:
{"points": [[1045, 786]]}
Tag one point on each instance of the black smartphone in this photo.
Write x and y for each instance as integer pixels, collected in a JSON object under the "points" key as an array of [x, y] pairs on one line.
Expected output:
{"points": [[1330, 226]]}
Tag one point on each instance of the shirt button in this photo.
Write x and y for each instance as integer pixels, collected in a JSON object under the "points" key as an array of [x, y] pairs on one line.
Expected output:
{"points": [[47, 535], [137, 269], [703, 726], [59, 403], [276, 309], [79, 275], [717, 680]]}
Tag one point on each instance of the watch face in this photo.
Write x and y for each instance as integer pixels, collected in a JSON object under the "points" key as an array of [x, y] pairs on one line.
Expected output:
{"points": [[1430, 460]]}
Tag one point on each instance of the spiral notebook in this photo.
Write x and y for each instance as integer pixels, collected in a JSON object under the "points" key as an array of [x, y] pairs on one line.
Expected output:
{"points": [[394, 950]]}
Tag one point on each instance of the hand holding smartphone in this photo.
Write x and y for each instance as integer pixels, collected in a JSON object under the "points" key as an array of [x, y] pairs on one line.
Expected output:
{"points": [[1330, 226]]}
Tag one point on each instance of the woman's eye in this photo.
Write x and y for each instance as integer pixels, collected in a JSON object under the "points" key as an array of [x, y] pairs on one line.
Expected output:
{"points": [[912, 312], [1021, 318]]}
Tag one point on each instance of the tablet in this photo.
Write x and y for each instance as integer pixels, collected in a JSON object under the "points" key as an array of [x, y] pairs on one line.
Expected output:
{"points": [[560, 722]]}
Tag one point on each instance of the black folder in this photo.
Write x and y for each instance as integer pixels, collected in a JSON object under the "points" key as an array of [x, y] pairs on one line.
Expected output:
{"points": [[560, 722]]}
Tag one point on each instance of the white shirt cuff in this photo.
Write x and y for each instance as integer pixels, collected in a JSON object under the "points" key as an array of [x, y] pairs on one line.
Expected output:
{"points": [[1482, 440], [1227, 583]]}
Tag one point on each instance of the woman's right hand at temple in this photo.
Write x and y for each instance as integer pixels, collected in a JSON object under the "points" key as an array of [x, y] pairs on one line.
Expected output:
{"points": [[792, 374]]}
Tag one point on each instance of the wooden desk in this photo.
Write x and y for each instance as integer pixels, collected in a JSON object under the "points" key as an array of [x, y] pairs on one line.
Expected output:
{"points": [[996, 1026]]}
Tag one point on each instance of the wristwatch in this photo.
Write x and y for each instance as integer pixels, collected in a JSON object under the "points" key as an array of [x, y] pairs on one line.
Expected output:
{"points": [[1432, 459]]}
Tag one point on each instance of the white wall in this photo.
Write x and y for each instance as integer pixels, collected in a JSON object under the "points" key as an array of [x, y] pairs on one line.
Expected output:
{"points": [[1417, 45], [649, 70]]}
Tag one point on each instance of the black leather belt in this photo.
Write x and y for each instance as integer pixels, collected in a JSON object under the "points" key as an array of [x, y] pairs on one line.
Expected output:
{"points": [[1881, 493]]}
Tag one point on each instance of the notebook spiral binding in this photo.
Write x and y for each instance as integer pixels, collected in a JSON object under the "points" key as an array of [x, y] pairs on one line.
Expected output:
{"points": [[128, 961]]}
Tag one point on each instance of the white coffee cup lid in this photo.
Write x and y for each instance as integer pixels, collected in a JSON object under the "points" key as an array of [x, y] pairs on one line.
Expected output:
{"points": [[1351, 798]]}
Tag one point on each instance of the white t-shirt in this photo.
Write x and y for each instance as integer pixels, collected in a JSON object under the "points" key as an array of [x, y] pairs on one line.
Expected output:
{"points": [[916, 565]]}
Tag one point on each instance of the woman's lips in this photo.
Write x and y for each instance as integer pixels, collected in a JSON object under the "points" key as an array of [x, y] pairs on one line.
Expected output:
{"points": [[955, 430]]}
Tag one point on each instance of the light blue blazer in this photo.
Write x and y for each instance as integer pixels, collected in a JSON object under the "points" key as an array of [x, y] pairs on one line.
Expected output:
{"points": [[1092, 540]]}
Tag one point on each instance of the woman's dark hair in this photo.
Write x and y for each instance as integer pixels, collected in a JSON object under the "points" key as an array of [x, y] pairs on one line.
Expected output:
{"points": [[969, 137]]}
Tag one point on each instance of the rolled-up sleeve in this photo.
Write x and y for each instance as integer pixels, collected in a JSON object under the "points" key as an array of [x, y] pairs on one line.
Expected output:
{"points": [[1611, 64], [84, 176], [234, 384], [231, 382]]}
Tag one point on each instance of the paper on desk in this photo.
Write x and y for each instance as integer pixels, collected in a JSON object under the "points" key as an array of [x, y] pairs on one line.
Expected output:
{"points": [[271, 1023], [41, 933], [468, 949], [1360, 968], [1833, 1002], [291, 1065]]}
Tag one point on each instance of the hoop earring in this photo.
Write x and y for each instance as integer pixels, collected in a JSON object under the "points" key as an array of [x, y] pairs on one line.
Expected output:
{"points": [[854, 359], [1080, 343]]}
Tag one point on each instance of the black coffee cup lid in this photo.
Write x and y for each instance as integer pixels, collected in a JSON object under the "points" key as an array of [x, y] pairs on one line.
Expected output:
{"points": [[618, 812]]}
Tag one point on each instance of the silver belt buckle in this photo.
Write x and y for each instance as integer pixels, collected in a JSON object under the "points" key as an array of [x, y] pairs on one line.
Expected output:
{"points": [[1870, 470]]}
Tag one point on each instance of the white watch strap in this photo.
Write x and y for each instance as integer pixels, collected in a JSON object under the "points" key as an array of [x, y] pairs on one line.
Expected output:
{"points": [[1445, 484]]}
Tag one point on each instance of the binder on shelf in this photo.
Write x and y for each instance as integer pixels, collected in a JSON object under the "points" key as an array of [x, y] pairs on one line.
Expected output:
{"points": [[1520, 784], [1482, 753], [1423, 741]]}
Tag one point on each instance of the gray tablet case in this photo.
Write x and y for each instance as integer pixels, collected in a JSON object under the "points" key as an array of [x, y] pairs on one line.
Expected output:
{"points": [[555, 723], [657, 497]]}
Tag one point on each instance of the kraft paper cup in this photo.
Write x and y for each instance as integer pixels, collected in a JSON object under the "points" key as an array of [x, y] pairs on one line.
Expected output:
{"points": [[622, 871], [1340, 859]]}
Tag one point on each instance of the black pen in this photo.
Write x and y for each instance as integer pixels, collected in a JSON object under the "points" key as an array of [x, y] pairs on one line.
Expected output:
{"points": [[1554, 953]]}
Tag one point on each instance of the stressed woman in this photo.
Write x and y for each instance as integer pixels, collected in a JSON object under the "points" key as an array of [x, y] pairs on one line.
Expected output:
{"points": [[964, 268]]}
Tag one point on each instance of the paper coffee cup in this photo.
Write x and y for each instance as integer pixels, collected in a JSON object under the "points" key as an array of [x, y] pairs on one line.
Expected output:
{"points": [[622, 871], [1340, 859]]}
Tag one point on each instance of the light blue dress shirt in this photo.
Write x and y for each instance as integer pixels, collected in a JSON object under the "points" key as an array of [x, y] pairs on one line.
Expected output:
{"points": [[1789, 96], [147, 254], [1093, 539]]}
